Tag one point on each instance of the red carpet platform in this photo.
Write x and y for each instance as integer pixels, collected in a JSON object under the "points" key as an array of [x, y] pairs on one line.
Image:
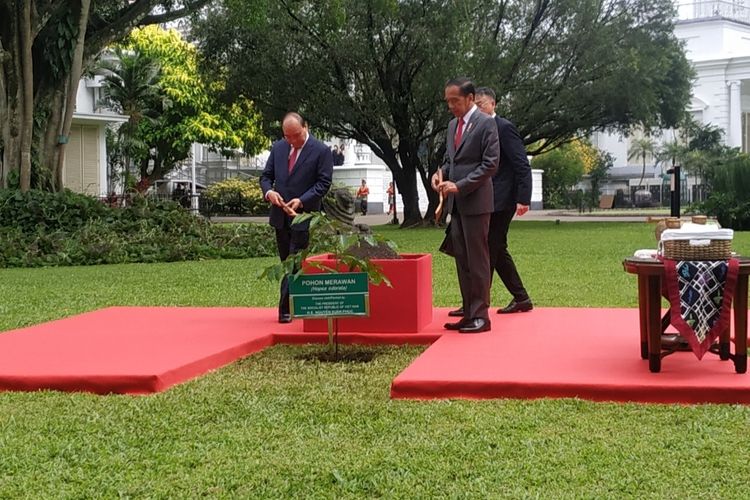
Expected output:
{"points": [[130, 349], [137, 350], [585, 353]]}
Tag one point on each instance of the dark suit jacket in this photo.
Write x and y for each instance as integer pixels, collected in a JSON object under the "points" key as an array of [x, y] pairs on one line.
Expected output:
{"points": [[512, 182], [472, 164], [309, 180]]}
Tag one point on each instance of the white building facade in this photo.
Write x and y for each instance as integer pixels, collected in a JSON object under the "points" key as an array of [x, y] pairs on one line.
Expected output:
{"points": [[85, 162], [717, 37], [717, 43]]}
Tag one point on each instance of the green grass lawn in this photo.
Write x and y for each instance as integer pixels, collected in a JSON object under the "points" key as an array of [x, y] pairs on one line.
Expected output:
{"points": [[275, 425]]}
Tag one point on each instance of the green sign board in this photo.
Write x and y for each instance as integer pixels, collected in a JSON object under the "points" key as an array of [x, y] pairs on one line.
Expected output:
{"points": [[329, 295]]}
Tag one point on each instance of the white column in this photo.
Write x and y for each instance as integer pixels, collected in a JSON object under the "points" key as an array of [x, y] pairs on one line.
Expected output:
{"points": [[350, 154], [537, 200], [735, 114], [103, 170], [193, 192]]}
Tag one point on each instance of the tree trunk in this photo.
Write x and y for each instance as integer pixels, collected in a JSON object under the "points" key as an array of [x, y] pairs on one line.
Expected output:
{"points": [[406, 187], [404, 178], [71, 87], [643, 173], [9, 126], [406, 182], [4, 125], [10, 154], [49, 100], [410, 160], [433, 200], [6, 160], [143, 167], [158, 172], [27, 93]]}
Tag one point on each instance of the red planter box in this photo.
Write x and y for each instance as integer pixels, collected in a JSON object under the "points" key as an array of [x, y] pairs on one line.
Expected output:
{"points": [[405, 308]]}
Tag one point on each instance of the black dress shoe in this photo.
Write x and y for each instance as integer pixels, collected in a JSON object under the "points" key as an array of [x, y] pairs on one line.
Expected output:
{"points": [[285, 318], [455, 326], [456, 312], [516, 307], [475, 325]]}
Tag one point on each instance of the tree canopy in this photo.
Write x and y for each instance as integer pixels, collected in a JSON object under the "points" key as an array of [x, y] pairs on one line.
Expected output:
{"points": [[374, 70], [131, 89], [185, 108], [44, 48], [563, 167], [641, 148]]}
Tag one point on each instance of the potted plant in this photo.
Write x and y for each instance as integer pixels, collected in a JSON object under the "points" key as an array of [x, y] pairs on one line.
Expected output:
{"points": [[401, 284]]}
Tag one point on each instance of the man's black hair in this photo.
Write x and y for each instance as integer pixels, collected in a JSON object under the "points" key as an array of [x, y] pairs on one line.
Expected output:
{"points": [[486, 91], [465, 85]]}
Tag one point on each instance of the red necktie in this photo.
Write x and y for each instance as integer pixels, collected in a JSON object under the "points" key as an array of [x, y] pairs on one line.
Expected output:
{"points": [[293, 158], [459, 133]]}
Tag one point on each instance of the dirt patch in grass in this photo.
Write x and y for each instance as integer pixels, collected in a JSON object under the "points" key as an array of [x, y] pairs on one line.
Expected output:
{"points": [[343, 356]]}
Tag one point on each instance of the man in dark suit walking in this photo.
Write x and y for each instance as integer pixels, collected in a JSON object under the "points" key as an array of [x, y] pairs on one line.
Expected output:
{"points": [[472, 155], [298, 174], [512, 190]]}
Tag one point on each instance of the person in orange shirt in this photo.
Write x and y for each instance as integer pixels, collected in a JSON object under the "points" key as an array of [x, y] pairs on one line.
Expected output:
{"points": [[391, 199], [362, 194]]}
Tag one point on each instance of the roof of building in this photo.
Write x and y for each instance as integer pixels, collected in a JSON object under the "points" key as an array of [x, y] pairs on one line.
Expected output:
{"points": [[632, 171]]}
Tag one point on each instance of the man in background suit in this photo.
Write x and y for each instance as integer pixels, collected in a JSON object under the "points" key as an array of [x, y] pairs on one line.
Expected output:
{"points": [[512, 190], [472, 155], [298, 174]]}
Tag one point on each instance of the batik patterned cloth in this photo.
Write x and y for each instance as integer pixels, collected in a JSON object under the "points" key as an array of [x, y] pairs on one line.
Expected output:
{"points": [[700, 297]]}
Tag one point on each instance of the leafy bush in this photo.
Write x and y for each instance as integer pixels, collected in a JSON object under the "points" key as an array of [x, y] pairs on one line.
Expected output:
{"points": [[40, 210], [53, 229], [728, 211], [563, 167], [729, 200], [235, 196]]}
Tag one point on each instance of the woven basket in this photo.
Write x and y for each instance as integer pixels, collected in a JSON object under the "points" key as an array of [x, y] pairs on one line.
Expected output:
{"points": [[683, 250]]}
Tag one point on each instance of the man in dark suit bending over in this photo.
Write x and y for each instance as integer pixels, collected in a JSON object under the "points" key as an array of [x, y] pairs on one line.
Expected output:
{"points": [[297, 176], [512, 189], [471, 159]]}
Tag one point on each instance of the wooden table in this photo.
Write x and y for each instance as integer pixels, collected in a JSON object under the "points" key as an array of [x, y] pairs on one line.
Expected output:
{"points": [[650, 274]]}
